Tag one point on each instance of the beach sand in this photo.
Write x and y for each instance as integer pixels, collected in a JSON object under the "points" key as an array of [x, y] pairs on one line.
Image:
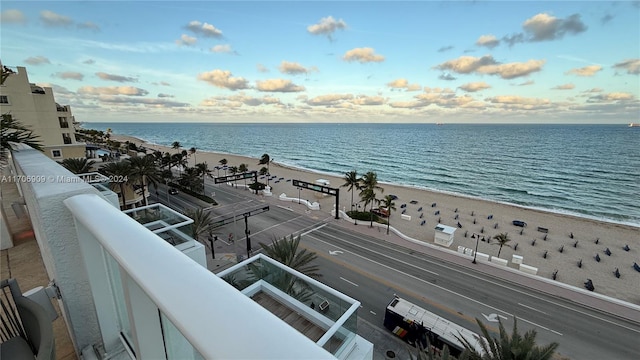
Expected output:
{"points": [[564, 231]]}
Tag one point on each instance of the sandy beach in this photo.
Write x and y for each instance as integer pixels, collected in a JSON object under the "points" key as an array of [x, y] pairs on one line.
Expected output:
{"points": [[569, 240]]}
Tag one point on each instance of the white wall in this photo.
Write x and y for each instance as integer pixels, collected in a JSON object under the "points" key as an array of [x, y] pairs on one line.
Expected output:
{"points": [[56, 235]]}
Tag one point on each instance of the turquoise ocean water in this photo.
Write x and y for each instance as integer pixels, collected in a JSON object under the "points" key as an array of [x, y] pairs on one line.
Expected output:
{"points": [[586, 170]]}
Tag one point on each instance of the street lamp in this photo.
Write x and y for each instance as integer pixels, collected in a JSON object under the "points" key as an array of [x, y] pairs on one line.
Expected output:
{"points": [[299, 188], [475, 253]]}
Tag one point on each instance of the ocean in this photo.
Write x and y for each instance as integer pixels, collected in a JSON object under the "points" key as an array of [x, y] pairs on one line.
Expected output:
{"points": [[585, 170]]}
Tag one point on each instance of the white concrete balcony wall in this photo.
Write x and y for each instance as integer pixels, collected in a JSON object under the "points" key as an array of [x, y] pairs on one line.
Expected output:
{"points": [[216, 320]]}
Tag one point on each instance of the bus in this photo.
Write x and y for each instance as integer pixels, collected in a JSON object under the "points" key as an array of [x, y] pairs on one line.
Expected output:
{"points": [[415, 324]]}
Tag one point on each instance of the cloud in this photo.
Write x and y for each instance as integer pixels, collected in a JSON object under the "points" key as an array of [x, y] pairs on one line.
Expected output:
{"points": [[293, 68], [118, 78], [408, 104], [329, 99], [153, 103], [223, 79], [475, 86], [489, 41], [519, 101], [363, 55], [12, 16], [89, 62], [403, 84], [564, 87], [632, 66], [37, 60], [161, 95], [467, 64], [72, 75], [606, 18], [204, 29], [88, 25], [112, 90], [186, 40], [447, 77], [545, 27], [445, 48], [526, 83], [261, 68], [593, 90], [278, 85], [327, 26], [49, 18], [487, 65], [368, 100], [585, 71], [222, 49], [615, 96]]}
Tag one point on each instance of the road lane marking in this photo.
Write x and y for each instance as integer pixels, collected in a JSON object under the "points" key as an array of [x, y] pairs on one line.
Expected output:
{"points": [[372, 312], [272, 226], [532, 308], [540, 326], [486, 279], [314, 229], [335, 252], [350, 282]]}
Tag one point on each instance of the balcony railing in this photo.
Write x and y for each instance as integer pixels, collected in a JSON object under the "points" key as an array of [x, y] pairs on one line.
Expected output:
{"points": [[166, 305]]}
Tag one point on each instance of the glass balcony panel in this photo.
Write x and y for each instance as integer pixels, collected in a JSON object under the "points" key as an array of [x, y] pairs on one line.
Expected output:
{"points": [[176, 345], [118, 296]]}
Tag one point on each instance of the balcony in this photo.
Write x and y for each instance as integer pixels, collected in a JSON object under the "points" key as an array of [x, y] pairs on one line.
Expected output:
{"points": [[317, 311]]}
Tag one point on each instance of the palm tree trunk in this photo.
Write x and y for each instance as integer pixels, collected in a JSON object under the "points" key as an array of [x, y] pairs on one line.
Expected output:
{"points": [[124, 203], [388, 222], [371, 212], [499, 250], [144, 198], [351, 199]]}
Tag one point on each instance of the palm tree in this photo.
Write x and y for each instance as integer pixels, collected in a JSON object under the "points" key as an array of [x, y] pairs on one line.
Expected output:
{"points": [[505, 347], [243, 168], [12, 130], [119, 170], [190, 178], [192, 151], [77, 165], [429, 353], [176, 145], [203, 170], [144, 169], [233, 170], [179, 161], [202, 222], [286, 252], [368, 189], [351, 181], [265, 160], [502, 240], [223, 162], [390, 205]]}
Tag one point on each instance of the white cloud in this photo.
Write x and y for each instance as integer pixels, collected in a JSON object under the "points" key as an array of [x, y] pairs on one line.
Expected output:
{"points": [[489, 41], [37, 60], [112, 90], [72, 75], [49, 18], [543, 27], [632, 66], [368, 100], [329, 99], [585, 71], [402, 83], [113, 77], [609, 97], [475, 86], [294, 68], [12, 16], [222, 48], [204, 29], [261, 68], [88, 25], [564, 87], [362, 55], [278, 85], [327, 26], [186, 40], [223, 79]]}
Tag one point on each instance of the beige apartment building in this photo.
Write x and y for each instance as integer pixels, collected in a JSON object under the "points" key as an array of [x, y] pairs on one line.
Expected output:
{"points": [[35, 106]]}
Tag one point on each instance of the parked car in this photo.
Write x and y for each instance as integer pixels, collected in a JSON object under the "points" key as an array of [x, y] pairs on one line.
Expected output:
{"points": [[173, 191], [519, 223]]}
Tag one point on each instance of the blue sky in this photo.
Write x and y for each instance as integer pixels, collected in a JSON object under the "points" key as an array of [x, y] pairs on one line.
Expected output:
{"points": [[358, 61]]}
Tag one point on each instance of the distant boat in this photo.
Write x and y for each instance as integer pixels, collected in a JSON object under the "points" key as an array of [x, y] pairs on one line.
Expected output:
{"points": [[634, 125], [439, 123]]}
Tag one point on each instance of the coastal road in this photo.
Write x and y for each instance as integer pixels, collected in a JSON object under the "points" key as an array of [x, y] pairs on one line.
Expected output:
{"points": [[371, 271]]}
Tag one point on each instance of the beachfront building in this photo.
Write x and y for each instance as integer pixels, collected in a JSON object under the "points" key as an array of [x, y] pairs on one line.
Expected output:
{"points": [[35, 107], [132, 285]]}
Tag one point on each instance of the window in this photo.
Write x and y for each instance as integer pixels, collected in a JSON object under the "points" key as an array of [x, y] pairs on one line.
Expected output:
{"points": [[4, 99], [66, 138], [56, 153], [63, 122]]}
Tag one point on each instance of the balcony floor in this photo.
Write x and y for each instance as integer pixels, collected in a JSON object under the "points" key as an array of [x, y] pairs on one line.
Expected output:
{"points": [[293, 318]]}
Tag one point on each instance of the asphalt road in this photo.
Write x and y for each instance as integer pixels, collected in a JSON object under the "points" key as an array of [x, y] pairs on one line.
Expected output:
{"points": [[372, 271]]}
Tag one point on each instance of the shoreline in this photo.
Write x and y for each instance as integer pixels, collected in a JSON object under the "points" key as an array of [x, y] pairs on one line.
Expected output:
{"points": [[560, 251], [560, 212]]}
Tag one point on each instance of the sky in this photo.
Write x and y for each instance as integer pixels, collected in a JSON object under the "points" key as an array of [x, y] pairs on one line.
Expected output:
{"points": [[330, 61]]}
